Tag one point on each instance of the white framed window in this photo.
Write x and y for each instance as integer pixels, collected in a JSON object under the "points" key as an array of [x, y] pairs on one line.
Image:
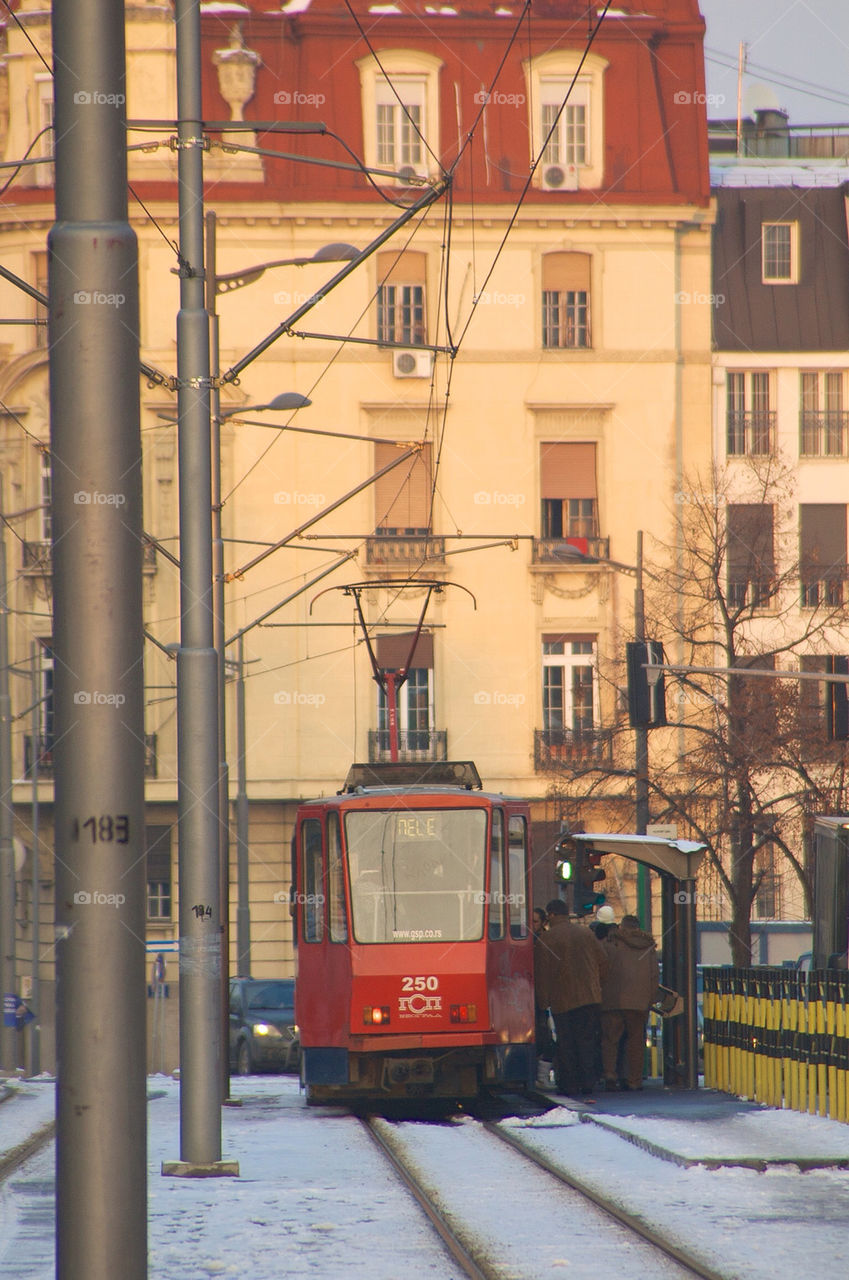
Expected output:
{"points": [[569, 684], [750, 419], [400, 120], [415, 713], [44, 175], [780, 252], [823, 420], [45, 515], [569, 142], [565, 133], [400, 105]]}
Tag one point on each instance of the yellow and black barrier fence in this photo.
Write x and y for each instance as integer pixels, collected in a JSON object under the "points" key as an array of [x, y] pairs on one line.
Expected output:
{"points": [[779, 1036]]}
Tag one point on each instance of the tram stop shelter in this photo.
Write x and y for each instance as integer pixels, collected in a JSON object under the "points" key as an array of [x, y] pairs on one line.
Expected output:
{"points": [[676, 862]]}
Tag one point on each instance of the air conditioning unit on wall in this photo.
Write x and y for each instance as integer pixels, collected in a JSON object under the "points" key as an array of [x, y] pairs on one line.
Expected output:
{"points": [[412, 364], [560, 177]]}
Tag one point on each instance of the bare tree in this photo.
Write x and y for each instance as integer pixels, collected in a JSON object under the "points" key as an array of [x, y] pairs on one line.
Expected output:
{"points": [[745, 761]]}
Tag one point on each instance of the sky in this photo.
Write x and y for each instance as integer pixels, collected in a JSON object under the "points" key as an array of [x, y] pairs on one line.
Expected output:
{"points": [[798, 50]]}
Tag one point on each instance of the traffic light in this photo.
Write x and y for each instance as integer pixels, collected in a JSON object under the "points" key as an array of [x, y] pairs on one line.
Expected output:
{"points": [[587, 875], [646, 698], [837, 701]]}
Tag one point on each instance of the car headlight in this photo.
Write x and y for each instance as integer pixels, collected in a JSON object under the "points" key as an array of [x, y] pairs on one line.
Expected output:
{"points": [[266, 1029]]}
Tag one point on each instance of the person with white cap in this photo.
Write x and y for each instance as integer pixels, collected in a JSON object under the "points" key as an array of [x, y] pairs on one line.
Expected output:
{"points": [[605, 920]]}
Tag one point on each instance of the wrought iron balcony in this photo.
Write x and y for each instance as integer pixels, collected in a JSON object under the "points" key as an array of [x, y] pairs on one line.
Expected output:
{"points": [[563, 748], [556, 550], [38, 559], [44, 756], [823, 435], [389, 550], [413, 744], [751, 433]]}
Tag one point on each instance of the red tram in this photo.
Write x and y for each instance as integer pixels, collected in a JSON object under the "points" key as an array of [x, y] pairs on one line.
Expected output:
{"points": [[414, 951]]}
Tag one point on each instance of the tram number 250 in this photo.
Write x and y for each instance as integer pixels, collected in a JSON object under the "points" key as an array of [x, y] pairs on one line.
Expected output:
{"points": [[420, 984]]}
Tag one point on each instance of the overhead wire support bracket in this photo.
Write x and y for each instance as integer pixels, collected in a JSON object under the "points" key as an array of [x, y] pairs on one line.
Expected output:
{"points": [[238, 574], [426, 199]]}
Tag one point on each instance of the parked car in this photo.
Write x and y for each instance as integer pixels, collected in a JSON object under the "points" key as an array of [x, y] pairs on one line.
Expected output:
{"points": [[263, 1032]]}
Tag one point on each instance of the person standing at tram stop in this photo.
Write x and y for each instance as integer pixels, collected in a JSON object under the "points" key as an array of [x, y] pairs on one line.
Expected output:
{"points": [[628, 990], [544, 1040], [572, 964]]}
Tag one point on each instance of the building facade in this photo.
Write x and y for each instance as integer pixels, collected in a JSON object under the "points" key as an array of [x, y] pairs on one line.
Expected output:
{"points": [[539, 334]]}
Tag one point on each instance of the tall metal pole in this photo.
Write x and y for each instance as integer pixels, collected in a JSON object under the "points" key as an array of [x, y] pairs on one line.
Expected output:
{"points": [[243, 909], [8, 1040], [641, 749], [219, 636], [35, 994], [197, 663], [95, 448]]}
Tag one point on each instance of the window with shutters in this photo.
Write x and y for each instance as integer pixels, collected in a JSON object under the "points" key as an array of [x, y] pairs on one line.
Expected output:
{"points": [[566, 300], [823, 419], [401, 299], [569, 503], [417, 739], [822, 553], [750, 556], [750, 423], [566, 89], [158, 872], [402, 500]]}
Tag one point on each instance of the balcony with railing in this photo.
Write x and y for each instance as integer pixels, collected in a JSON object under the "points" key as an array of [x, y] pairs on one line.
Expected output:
{"points": [[823, 435], [569, 550], [751, 432], [823, 590], [44, 756], [413, 744], [391, 550], [565, 748], [38, 559]]}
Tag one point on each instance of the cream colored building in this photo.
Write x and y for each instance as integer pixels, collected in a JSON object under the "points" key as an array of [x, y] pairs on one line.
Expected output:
{"points": [[578, 398]]}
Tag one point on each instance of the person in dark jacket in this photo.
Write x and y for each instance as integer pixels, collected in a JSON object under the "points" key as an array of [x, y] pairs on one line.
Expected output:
{"points": [[544, 1038], [572, 962], [629, 987]]}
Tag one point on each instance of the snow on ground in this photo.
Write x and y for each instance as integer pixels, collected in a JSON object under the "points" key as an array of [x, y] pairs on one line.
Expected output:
{"points": [[772, 1136], [314, 1197], [28, 1105], [778, 1225], [517, 1213]]}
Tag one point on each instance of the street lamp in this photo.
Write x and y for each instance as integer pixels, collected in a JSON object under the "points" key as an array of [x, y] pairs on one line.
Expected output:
{"points": [[336, 252]]}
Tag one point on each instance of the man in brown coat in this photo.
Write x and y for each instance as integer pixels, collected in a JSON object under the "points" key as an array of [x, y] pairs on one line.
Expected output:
{"points": [[571, 964], [629, 988]]}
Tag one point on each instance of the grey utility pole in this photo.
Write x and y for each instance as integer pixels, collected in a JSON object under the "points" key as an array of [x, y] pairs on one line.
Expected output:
{"points": [[95, 448], [35, 763], [641, 750], [8, 992], [198, 789]]}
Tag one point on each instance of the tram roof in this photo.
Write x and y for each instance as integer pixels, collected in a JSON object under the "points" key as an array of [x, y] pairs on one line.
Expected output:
{"points": [[429, 775]]}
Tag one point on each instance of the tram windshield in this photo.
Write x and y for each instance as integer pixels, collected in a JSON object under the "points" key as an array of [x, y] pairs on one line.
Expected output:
{"points": [[417, 875]]}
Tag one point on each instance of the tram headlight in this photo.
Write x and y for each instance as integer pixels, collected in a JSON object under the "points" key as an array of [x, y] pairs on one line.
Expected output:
{"points": [[463, 1013], [376, 1015]]}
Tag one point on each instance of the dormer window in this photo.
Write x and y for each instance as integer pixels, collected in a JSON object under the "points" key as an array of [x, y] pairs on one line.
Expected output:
{"points": [[567, 122], [400, 102]]}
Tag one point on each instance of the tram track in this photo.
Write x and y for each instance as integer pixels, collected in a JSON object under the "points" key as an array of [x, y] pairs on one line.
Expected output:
{"points": [[486, 1244]]}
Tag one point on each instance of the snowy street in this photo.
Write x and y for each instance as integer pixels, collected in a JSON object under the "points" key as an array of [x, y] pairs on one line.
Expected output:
{"points": [[315, 1196]]}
